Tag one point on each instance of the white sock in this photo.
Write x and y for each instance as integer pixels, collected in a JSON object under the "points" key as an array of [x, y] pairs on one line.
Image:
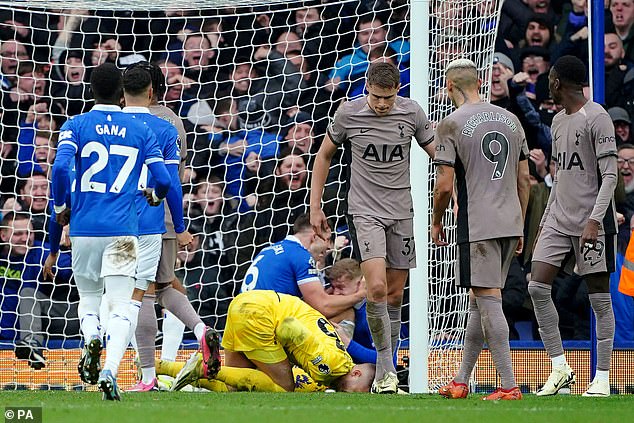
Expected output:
{"points": [[148, 375], [602, 375], [133, 315], [90, 294], [120, 290], [172, 336], [559, 361], [199, 331], [104, 312]]}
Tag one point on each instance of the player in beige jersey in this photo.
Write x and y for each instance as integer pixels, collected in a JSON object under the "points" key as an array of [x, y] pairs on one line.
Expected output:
{"points": [[579, 220], [167, 290], [484, 146], [376, 131]]}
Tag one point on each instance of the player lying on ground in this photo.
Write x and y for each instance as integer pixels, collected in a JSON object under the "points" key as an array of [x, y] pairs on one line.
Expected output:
{"points": [[236, 379], [271, 332]]}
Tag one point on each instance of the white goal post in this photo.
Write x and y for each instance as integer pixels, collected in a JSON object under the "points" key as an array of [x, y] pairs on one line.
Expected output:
{"points": [[293, 73]]}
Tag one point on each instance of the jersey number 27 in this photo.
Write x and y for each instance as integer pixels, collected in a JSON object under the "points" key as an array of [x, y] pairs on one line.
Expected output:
{"points": [[103, 157]]}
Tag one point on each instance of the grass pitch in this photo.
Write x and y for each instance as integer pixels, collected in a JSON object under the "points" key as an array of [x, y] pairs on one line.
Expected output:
{"points": [[87, 407]]}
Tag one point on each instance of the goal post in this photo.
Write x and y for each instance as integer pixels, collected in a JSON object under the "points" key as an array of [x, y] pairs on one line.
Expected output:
{"points": [[291, 74]]}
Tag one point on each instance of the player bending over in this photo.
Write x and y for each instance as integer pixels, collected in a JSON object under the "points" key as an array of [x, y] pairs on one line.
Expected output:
{"points": [[271, 332]]}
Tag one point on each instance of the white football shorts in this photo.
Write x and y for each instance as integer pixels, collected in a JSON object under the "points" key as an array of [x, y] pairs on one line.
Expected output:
{"points": [[96, 257], [148, 261]]}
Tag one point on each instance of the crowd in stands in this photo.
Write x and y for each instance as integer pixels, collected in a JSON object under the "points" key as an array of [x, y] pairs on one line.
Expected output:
{"points": [[256, 88]]}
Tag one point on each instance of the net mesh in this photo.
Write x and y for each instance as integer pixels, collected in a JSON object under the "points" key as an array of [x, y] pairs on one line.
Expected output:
{"points": [[255, 87]]}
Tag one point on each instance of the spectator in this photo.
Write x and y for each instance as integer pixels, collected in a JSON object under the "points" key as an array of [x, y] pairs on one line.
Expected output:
{"points": [[301, 138], [539, 33], [254, 148], [16, 256], [575, 34], [626, 170], [622, 125], [623, 20], [11, 53], [370, 32], [535, 61], [515, 16], [72, 90], [503, 70], [33, 199], [616, 67], [381, 53], [177, 97], [42, 154]]}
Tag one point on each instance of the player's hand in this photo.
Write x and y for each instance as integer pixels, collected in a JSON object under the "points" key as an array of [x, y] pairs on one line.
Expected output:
{"points": [[620, 219], [342, 334], [184, 239], [520, 246], [320, 224], [63, 218], [65, 240], [438, 235], [148, 193], [49, 263], [590, 234]]}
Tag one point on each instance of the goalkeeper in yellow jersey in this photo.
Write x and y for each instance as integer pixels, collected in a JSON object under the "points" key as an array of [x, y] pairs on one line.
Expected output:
{"points": [[266, 334]]}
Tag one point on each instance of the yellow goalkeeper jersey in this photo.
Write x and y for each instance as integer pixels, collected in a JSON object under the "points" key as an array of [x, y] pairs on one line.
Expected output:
{"points": [[269, 327]]}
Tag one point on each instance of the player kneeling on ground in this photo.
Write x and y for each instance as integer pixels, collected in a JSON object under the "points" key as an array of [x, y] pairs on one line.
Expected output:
{"points": [[271, 332]]}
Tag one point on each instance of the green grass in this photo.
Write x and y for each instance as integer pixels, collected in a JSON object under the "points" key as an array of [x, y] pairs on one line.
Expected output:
{"points": [[87, 407]]}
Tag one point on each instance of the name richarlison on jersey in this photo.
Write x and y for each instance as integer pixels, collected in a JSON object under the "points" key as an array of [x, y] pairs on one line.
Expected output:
{"points": [[478, 118]]}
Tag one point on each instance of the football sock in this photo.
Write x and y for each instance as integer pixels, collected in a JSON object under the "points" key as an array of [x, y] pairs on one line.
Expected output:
{"points": [[199, 331], [179, 304], [496, 332], [379, 323], [474, 340], [104, 312], [395, 325], [602, 375], [120, 291], [547, 317], [172, 336], [88, 309], [148, 375], [248, 380], [602, 307], [135, 307], [146, 332]]}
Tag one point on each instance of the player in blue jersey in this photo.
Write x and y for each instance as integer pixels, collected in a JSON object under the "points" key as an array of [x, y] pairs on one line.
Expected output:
{"points": [[288, 268], [108, 148], [137, 89]]}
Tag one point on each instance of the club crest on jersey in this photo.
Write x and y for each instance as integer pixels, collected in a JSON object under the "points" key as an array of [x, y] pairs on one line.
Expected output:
{"points": [[383, 153], [402, 128]]}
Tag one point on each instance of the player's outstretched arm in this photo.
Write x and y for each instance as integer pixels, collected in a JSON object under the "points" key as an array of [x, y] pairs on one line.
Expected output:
{"points": [[443, 190], [320, 173]]}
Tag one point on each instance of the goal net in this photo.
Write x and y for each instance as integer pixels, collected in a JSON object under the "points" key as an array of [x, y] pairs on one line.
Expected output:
{"points": [[255, 84]]}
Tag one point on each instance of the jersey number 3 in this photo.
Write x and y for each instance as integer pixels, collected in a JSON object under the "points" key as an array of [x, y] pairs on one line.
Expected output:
{"points": [[103, 156], [495, 148]]}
